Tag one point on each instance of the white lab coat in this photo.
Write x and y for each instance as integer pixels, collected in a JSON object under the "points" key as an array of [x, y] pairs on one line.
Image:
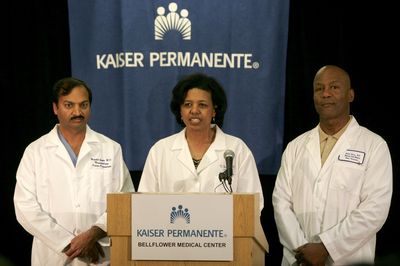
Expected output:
{"points": [[54, 201], [169, 167], [343, 204]]}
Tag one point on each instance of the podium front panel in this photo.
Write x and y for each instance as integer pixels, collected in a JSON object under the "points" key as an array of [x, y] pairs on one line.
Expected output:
{"points": [[182, 227]]}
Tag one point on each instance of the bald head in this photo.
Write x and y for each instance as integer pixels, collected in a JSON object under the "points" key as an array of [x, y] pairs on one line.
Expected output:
{"points": [[335, 71]]}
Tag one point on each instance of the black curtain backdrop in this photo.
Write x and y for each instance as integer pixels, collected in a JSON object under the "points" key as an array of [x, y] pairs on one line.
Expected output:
{"points": [[359, 37]]}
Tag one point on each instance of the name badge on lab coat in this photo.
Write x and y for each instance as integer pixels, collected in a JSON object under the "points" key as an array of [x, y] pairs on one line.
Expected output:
{"points": [[352, 156]]}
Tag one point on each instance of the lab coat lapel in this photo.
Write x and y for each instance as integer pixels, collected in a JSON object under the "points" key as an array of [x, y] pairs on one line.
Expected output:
{"points": [[343, 143], [89, 145], [313, 147], [208, 158], [180, 145], [54, 142], [211, 156]]}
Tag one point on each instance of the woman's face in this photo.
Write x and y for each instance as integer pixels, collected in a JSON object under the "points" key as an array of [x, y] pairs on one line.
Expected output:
{"points": [[197, 109]]}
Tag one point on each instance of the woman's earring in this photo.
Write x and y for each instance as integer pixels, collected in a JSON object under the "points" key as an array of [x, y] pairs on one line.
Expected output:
{"points": [[212, 122]]}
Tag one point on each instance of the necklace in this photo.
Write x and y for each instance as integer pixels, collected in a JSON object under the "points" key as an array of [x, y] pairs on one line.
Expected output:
{"points": [[199, 149], [196, 162]]}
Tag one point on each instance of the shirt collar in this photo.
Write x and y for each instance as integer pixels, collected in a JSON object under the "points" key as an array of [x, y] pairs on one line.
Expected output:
{"points": [[323, 136]]}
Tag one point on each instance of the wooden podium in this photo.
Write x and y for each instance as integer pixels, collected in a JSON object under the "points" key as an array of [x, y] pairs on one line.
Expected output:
{"points": [[249, 241]]}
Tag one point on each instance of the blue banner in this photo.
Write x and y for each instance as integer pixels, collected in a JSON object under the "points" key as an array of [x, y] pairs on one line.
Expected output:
{"points": [[132, 52]]}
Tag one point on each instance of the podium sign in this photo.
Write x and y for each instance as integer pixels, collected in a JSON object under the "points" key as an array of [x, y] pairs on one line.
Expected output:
{"points": [[182, 227]]}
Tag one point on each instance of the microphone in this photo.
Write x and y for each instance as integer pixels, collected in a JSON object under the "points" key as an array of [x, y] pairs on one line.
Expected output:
{"points": [[229, 155]]}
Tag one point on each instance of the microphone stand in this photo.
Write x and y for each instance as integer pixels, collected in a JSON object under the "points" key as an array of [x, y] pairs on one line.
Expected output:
{"points": [[226, 181]]}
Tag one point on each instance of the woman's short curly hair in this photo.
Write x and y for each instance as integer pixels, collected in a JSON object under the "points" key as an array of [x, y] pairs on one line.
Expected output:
{"points": [[203, 82]]}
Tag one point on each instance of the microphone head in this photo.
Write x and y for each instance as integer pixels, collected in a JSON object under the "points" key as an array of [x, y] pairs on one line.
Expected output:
{"points": [[229, 153]]}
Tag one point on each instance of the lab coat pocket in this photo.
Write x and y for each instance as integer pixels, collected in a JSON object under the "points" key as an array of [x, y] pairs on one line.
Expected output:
{"points": [[100, 184], [347, 177], [344, 189]]}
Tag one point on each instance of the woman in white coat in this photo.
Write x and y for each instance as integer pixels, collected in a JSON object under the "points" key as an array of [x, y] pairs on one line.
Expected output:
{"points": [[330, 200], [62, 182], [194, 159]]}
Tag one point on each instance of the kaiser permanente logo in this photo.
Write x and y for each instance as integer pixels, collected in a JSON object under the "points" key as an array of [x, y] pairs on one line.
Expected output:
{"points": [[172, 21], [179, 21], [179, 213]]}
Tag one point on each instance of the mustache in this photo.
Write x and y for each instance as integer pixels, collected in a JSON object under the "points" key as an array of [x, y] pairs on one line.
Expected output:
{"points": [[77, 117]]}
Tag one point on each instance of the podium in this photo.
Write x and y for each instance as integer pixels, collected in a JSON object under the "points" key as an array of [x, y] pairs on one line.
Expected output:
{"points": [[249, 241]]}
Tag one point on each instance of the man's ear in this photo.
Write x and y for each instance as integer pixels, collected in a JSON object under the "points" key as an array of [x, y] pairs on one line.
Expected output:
{"points": [[55, 108], [351, 95]]}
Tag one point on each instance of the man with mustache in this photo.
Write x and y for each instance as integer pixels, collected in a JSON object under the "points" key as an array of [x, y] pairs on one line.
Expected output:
{"points": [[62, 182]]}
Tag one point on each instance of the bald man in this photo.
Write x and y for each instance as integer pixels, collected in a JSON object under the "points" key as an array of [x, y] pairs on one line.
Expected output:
{"points": [[333, 190]]}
